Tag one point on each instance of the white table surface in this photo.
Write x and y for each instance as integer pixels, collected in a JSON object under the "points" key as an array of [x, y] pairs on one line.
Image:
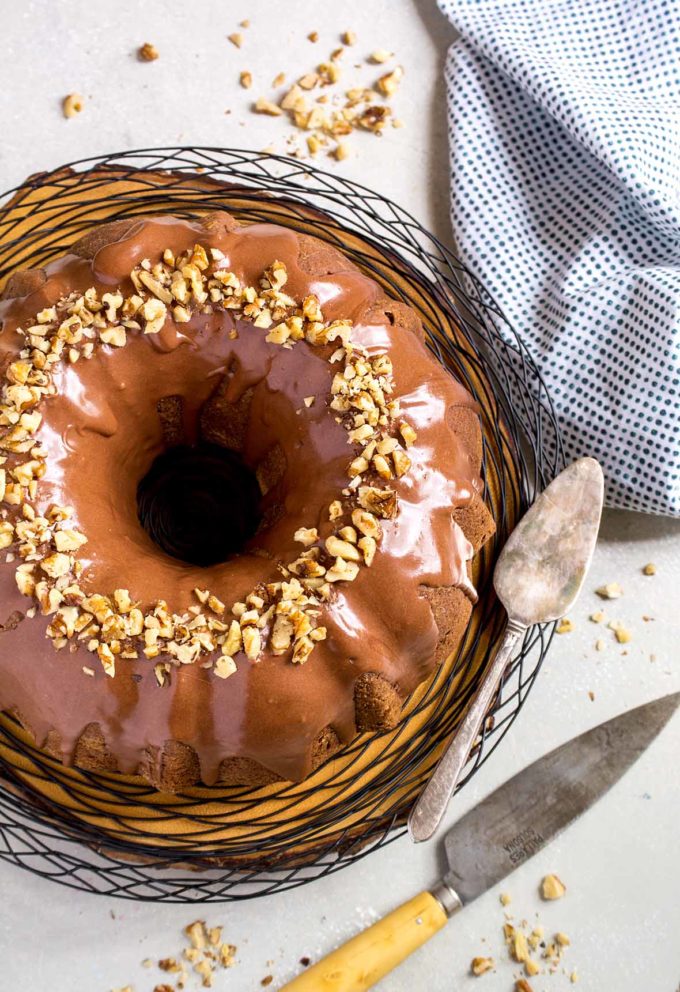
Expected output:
{"points": [[621, 861]]}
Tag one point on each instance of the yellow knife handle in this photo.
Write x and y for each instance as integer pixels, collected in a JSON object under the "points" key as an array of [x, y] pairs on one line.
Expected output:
{"points": [[368, 957]]}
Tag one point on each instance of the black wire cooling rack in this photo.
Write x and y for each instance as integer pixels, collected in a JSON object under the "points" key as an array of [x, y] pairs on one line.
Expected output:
{"points": [[522, 453]]}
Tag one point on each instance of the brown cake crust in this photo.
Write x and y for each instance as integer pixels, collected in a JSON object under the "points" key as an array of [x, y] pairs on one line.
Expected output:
{"points": [[173, 765]]}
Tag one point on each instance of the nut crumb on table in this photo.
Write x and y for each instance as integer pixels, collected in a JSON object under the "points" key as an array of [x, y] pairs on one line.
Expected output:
{"points": [[147, 52]]}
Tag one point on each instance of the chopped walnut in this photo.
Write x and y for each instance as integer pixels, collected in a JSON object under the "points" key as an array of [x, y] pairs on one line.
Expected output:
{"points": [[246, 79], [236, 39], [147, 52], [479, 966]]}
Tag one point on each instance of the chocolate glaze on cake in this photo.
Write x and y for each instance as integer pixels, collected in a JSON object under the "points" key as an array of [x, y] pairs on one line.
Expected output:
{"points": [[194, 384]]}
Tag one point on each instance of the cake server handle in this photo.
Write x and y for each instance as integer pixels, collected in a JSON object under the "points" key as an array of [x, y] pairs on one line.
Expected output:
{"points": [[373, 953], [431, 805]]}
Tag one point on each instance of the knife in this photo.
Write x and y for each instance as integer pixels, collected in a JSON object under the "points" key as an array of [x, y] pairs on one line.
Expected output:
{"points": [[488, 843], [537, 578]]}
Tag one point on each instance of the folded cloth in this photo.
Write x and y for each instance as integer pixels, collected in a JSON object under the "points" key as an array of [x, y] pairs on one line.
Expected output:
{"points": [[564, 121]]}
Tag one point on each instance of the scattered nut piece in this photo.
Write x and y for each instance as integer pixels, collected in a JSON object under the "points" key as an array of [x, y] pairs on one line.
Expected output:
{"points": [[552, 888], [610, 591], [521, 985], [565, 626], [505, 898], [597, 616], [313, 36], [600, 644], [236, 39], [519, 947], [348, 38], [380, 55], [72, 104], [341, 151], [389, 83], [479, 966], [246, 79], [278, 80], [263, 106], [649, 569], [147, 52]]}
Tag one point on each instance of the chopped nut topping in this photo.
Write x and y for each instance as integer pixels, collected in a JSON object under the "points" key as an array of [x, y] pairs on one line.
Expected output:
{"points": [[565, 626], [236, 38], [348, 38], [380, 55], [72, 104], [649, 569], [313, 36], [246, 80], [147, 52], [281, 617]]}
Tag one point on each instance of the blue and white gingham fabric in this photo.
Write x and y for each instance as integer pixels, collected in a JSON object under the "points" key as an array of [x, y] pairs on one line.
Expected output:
{"points": [[564, 123]]}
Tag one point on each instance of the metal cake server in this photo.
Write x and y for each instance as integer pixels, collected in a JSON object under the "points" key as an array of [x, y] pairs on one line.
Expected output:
{"points": [[538, 576], [488, 843]]}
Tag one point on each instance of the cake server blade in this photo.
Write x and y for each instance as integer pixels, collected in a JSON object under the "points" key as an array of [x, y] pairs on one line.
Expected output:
{"points": [[488, 843], [538, 576]]}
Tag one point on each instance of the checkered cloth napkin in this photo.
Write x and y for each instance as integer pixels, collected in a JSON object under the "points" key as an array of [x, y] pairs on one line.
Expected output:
{"points": [[564, 120]]}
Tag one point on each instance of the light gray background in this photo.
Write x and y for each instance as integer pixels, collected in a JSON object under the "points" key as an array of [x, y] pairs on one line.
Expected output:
{"points": [[621, 861]]}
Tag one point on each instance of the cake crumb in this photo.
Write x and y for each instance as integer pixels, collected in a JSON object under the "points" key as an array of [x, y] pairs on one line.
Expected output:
{"points": [[479, 966], [649, 569], [147, 52]]}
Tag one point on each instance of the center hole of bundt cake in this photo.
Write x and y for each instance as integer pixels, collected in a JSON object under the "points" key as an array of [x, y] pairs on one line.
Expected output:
{"points": [[199, 503]]}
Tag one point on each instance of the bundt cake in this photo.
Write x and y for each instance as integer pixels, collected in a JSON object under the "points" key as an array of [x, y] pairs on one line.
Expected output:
{"points": [[239, 503]]}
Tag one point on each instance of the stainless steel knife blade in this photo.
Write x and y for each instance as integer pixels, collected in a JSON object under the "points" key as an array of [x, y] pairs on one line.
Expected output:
{"points": [[493, 839], [529, 810]]}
